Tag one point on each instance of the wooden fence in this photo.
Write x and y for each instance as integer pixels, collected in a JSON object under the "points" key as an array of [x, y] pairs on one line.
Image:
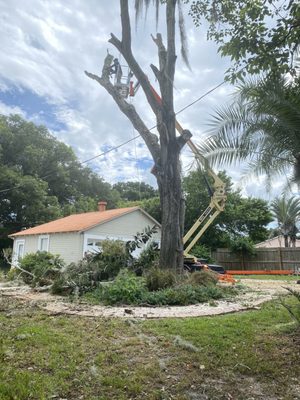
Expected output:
{"points": [[280, 258]]}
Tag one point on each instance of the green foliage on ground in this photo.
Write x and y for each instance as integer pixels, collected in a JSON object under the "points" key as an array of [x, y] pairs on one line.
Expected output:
{"points": [[160, 287], [113, 257], [187, 294], [157, 278], [127, 288], [147, 259], [203, 278], [42, 268]]}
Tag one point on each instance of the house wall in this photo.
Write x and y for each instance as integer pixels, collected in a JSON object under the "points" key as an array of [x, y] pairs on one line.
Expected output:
{"points": [[122, 228], [67, 245], [126, 225]]}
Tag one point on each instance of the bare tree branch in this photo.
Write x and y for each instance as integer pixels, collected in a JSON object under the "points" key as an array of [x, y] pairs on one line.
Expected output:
{"points": [[150, 139], [124, 48], [162, 52]]}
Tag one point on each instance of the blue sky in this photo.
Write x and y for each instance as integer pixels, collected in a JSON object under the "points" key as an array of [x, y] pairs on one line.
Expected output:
{"points": [[45, 48], [35, 107]]}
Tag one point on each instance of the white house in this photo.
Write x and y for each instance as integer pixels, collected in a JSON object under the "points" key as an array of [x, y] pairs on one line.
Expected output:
{"points": [[71, 237]]}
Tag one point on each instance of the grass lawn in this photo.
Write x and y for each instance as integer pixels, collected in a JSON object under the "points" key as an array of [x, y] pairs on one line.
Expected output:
{"points": [[249, 355], [269, 277]]}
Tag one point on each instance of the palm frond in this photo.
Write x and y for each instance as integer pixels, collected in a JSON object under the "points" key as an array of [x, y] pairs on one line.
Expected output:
{"points": [[262, 128]]}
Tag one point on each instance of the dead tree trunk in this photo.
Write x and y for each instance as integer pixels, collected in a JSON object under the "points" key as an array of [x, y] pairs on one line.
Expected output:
{"points": [[166, 147]]}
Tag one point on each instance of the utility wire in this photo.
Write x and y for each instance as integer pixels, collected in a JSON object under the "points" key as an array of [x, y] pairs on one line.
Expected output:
{"points": [[127, 141]]}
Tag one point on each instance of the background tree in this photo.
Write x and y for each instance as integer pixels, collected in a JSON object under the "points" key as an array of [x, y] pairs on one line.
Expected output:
{"points": [[257, 35], [287, 213], [133, 191], [41, 178], [166, 147], [261, 127]]}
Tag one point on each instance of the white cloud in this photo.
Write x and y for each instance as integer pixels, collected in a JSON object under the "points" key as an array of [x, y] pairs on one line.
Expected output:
{"points": [[6, 110]]}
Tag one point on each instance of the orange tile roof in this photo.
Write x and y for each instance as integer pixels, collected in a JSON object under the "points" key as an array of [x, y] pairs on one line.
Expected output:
{"points": [[76, 222]]}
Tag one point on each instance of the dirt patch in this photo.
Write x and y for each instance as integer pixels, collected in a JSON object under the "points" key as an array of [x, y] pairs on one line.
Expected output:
{"points": [[256, 293]]}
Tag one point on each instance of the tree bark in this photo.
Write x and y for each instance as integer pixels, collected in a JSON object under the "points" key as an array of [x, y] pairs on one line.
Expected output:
{"points": [[286, 240], [166, 148]]}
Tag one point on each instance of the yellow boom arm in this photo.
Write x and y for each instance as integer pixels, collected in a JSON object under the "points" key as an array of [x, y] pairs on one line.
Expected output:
{"points": [[217, 201]]}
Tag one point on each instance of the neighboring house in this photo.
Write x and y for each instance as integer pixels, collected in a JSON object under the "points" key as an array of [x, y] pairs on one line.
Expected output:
{"points": [[277, 241], [71, 237]]}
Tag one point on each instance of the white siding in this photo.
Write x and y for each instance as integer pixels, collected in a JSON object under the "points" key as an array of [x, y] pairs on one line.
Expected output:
{"points": [[122, 228], [67, 245], [127, 225]]}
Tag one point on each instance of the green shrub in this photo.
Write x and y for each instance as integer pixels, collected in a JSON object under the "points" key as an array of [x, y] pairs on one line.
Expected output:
{"points": [[111, 259], [147, 259], [203, 278], [130, 289], [183, 295], [87, 274], [43, 268], [157, 278], [61, 287], [127, 288], [84, 275], [12, 274]]}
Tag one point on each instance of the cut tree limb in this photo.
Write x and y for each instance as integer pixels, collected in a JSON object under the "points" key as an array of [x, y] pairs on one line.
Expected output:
{"points": [[150, 139]]}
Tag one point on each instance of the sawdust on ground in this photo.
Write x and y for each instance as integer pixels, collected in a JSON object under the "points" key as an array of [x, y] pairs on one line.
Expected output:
{"points": [[256, 293]]}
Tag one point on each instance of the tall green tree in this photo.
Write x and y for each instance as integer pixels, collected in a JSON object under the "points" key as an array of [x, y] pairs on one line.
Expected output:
{"points": [[257, 35], [41, 178], [34, 151], [287, 213], [261, 127], [133, 191]]}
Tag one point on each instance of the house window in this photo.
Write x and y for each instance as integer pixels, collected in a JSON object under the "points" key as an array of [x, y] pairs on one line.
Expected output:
{"points": [[20, 245], [93, 245], [43, 244]]}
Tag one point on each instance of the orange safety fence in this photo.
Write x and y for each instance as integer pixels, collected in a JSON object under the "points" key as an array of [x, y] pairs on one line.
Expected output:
{"points": [[226, 278], [261, 272]]}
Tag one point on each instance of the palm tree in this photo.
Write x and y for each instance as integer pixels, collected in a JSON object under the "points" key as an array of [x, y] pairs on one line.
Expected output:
{"points": [[261, 128], [287, 213]]}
